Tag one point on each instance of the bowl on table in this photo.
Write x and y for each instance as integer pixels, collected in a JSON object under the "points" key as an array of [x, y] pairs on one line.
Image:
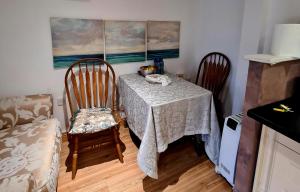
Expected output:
{"points": [[147, 70]]}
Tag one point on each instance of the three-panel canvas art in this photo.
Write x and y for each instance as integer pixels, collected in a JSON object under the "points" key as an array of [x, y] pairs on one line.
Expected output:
{"points": [[74, 39], [116, 41], [125, 41], [163, 39]]}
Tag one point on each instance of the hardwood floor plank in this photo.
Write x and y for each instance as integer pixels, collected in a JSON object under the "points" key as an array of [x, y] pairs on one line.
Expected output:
{"points": [[180, 169]]}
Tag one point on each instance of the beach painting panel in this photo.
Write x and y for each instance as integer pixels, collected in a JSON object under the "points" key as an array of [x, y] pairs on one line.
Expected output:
{"points": [[163, 38], [74, 39], [125, 41]]}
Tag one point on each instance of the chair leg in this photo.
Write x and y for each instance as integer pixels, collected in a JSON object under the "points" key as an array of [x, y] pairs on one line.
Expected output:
{"points": [[117, 143], [75, 157]]}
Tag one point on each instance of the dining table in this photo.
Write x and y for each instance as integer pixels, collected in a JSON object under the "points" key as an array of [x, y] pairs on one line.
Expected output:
{"points": [[159, 115]]}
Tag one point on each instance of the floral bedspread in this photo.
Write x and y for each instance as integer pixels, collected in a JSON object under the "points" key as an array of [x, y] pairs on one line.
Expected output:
{"points": [[160, 115], [24, 109], [29, 156]]}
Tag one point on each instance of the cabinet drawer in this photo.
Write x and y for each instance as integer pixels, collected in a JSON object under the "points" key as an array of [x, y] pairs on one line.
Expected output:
{"points": [[295, 146], [285, 170]]}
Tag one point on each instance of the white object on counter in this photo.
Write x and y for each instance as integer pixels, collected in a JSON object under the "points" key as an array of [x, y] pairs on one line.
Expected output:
{"points": [[286, 40], [285, 45]]}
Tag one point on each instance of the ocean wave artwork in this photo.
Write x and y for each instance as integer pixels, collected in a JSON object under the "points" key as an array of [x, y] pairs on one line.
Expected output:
{"points": [[66, 61], [74, 39], [165, 53], [125, 41], [163, 39], [125, 57]]}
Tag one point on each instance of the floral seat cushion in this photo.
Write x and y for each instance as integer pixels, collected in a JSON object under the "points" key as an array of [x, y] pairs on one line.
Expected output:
{"points": [[29, 156], [92, 120]]}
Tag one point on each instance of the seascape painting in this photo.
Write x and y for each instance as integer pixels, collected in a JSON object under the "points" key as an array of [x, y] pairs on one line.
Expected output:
{"points": [[74, 39], [163, 39], [125, 41]]}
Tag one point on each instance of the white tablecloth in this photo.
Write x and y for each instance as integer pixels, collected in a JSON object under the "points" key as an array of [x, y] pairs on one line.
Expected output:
{"points": [[160, 115]]}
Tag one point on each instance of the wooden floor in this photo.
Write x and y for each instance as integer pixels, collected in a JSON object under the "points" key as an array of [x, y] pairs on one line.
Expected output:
{"points": [[180, 169]]}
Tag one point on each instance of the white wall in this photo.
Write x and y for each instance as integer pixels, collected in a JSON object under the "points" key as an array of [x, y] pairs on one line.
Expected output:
{"points": [[234, 27], [217, 27], [260, 17], [280, 12], [26, 65], [253, 20]]}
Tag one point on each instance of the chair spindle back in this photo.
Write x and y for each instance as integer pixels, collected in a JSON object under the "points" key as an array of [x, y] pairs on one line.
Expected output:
{"points": [[214, 69], [89, 93]]}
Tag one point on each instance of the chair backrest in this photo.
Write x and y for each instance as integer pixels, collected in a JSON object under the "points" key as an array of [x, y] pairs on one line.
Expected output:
{"points": [[88, 83], [213, 71]]}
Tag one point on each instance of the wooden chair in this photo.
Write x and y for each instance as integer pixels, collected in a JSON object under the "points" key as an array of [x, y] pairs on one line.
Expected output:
{"points": [[91, 89], [212, 74]]}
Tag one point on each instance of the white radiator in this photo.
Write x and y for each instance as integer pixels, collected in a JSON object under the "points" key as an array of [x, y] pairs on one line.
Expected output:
{"points": [[229, 147]]}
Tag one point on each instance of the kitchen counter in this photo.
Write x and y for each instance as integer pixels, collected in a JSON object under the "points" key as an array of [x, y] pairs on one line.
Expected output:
{"points": [[286, 123]]}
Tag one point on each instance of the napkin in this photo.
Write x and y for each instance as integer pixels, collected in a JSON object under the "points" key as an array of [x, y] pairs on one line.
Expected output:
{"points": [[156, 78]]}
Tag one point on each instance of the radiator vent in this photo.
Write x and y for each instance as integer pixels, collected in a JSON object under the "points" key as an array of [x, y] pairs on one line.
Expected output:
{"points": [[225, 169]]}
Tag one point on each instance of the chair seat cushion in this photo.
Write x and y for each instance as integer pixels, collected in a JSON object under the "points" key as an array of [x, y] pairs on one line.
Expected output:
{"points": [[92, 120]]}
